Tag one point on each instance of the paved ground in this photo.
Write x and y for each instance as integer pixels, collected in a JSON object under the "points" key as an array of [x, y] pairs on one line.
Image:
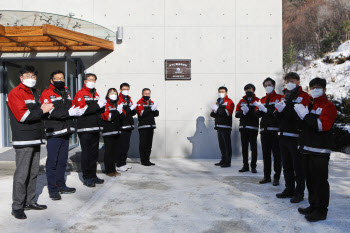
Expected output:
{"points": [[177, 195]]}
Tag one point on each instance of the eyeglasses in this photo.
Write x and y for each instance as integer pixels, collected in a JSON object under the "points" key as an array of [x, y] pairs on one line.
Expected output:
{"points": [[26, 76], [91, 80], [58, 79]]}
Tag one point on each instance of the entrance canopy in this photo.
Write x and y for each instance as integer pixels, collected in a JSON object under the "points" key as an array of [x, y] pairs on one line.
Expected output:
{"points": [[22, 31]]}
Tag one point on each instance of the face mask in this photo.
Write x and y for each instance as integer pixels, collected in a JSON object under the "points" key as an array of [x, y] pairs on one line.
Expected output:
{"points": [[113, 97], [29, 82], [146, 98], [125, 93], [90, 85], [222, 95], [290, 86], [269, 89], [249, 93], [317, 92], [58, 84]]}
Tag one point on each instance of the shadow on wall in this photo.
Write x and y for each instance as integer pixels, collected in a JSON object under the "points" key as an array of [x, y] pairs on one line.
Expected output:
{"points": [[205, 143]]}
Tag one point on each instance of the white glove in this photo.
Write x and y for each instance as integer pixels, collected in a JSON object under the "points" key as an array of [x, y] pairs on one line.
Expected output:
{"points": [[245, 109], [301, 110], [261, 107], [74, 111], [120, 108], [133, 107], [280, 106], [214, 107], [82, 110], [102, 102], [154, 106]]}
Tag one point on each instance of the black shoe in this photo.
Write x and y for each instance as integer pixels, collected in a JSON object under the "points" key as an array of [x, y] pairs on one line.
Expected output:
{"points": [[150, 163], [145, 164], [254, 170], [89, 183], [35, 206], [55, 196], [297, 198], [66, 190], [285, 194], [276, 182], [219, 163], [98, 180], [226, 165], [316, 216], [265, 180], [19, 214], [305, 211], [244, 169]]}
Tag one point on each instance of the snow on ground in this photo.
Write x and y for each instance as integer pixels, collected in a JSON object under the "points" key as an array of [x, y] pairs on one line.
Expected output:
{"points": [[337, 75], [179, 195]]}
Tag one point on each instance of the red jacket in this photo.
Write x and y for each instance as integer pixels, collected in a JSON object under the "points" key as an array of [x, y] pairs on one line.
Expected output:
{"points": [[111, 119], [145, 114], [316, 136], [250, 121], [58, 122], [223, 116], [25, 116], [91, 120], [128, 121]]}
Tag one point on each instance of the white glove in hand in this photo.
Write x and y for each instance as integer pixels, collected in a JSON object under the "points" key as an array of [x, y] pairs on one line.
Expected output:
{"points": [[102, 102], [261, 107], [214, 107], [133, 107], [120, 108], [245, 109], [154, 106], [280, 106], [74, 111], [301, 110]]}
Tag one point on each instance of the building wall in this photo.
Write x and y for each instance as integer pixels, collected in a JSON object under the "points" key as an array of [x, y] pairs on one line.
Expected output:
{"points": [[230, 43]]}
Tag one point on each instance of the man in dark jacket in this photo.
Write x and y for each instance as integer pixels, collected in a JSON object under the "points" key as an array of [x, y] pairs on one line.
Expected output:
{"points": [[315, 143], [88, 127], [26, 113], [289, 135], [127, 127], [269, 127], [222, 113], [248, 126], [146, 110], [59, 127]]}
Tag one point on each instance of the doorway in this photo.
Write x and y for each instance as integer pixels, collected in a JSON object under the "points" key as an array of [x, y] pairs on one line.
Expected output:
{"points": [[9, 71]]}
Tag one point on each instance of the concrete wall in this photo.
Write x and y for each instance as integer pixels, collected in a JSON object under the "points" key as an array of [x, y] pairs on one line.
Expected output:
{"points": [[230, 42]]}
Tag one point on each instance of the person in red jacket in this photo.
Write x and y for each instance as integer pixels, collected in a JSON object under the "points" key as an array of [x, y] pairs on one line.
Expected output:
{"points": [[289, 136], [146, 110], [89, 127], [315, 146], [248, 126], [222, 113], [26, 112]]}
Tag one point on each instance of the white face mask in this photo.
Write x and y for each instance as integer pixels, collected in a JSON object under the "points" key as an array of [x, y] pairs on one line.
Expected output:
{"points": [[317, 92], [269, 89], [222, 95], [113, 97], [125, 92], [290, 86], [29, 82], [90, 85]]}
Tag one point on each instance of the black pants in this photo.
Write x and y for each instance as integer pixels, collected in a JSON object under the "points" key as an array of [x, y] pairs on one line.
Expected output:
{"points": [[316, 174], [269, 143], [145, 146], [248, 137], [224, 136], [292, 165], [123, 144], [89, 154], [110, 155]]}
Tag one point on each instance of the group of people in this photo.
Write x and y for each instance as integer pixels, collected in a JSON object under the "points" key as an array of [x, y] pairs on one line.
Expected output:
{"points": [[296, 128], [54, 112]]}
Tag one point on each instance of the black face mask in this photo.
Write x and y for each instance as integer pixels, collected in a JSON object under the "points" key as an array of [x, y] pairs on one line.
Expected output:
{"points": [[58, 84], [146, 98], [249, 94]]}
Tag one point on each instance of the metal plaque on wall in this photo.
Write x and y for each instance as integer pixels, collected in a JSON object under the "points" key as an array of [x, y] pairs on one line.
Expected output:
{"points": [[178, 69]]}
